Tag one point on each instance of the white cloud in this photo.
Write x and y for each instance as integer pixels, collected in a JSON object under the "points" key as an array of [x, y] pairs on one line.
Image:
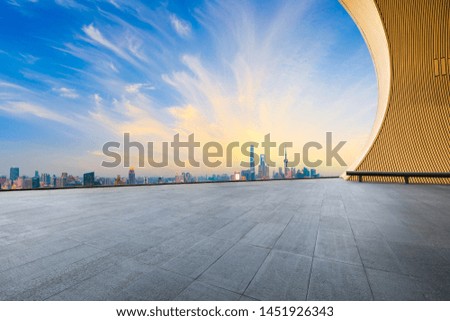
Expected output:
{"points": [[18, 3], [135, 47], [135, 88], [70, 4], [24, 108], [113, 67], [11, 85], [29, 59], [114, 3], [67, 92], [98, 99], [96, 36], [183, 28]]}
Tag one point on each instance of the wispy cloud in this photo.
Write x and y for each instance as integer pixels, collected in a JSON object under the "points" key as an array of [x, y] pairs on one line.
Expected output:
{"points": [[114, 3], [27, 109], [97, 37], [97, 99], [14, 3], [67, 92], [135, 88], [183, 28], [19, 3], [29, 59], [70, 4], [12, 86]]}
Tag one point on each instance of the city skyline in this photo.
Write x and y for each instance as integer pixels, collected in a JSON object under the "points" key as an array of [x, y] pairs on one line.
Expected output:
{"points": [[226, 71], [45, 180], [16, 180]]}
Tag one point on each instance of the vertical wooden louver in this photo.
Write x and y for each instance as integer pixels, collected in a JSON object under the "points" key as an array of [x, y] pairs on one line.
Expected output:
{"points": [[409, 41]]}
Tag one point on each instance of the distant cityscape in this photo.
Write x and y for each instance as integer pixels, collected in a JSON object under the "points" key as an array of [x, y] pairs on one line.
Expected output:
{"points": [[45, 180]]}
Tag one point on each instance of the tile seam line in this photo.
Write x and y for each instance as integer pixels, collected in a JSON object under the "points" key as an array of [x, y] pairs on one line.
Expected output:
{"points": [[268, 253], [359, 254]]}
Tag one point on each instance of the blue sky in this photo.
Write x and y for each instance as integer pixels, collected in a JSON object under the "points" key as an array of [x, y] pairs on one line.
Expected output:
{"points": [[76, 74]]}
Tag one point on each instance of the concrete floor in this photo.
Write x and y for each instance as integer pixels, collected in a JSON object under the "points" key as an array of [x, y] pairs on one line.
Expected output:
{"points": [[279, 240]]}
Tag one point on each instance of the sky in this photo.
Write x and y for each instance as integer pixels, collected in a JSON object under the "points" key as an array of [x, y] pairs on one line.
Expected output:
{"points": [[77, 74]]}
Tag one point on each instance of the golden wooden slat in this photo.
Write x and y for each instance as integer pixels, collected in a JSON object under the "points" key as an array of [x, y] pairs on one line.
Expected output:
{"points": [[410, 46]]}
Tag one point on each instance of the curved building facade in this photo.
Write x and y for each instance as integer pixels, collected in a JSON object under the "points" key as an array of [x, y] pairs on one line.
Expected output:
{"points": [[410, 45]]}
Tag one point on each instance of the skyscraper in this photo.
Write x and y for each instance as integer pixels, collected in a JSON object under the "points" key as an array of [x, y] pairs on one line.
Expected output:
{"points": [[14, 173], [285, 164], [46, 179], [35, 181], [236, 176], [187, 177], [62, 181], [252, 163], [118, 181], [131, 176], [88, 179], [246, 174], [263, 171], [262, 165]]}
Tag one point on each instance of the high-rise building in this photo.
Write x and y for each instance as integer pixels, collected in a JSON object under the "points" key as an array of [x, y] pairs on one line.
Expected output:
{"points": [[118, 181], [187, 177], [5, 183], [27, 183], [179, 178], [236, 176], [252, 162], [89, 179], [131, 176], [246, 175], [35, 181], [46, 179], [73, 181], [14, 173], [263, 169], [262, 166], [62, 181], [286, 169]]}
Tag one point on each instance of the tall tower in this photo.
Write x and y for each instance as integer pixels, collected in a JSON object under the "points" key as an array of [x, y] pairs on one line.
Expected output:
{"points": [[131, 176], [14, 173], [252, 162], [285, 164], [262, 166]]}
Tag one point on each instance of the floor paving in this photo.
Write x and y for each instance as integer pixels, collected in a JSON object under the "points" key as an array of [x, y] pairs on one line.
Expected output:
{"points": [[324, 239]]}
